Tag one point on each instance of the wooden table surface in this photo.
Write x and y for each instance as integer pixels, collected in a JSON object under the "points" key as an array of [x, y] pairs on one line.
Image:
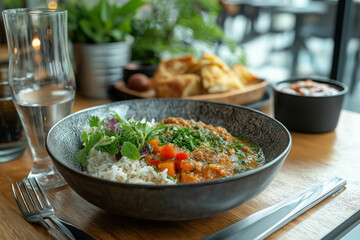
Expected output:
{"points": [[314, 158]]}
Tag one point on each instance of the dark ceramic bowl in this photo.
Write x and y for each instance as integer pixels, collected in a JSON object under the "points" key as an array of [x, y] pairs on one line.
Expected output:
{"points": [[172, 202], [308, 114], [137, 67]]}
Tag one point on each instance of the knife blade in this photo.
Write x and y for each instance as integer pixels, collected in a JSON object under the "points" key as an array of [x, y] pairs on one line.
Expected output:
{"points": [[265, 222]]}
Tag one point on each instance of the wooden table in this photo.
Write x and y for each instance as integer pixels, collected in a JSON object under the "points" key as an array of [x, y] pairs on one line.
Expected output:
{"points": [[314, 158]]}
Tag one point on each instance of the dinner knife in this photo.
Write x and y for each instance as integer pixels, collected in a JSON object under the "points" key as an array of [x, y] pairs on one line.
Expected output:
{"points": [[76, 232], [265, 222]]}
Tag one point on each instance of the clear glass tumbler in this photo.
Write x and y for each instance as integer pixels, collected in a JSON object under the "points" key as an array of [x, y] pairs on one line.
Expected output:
{"points": [[41, 79]]}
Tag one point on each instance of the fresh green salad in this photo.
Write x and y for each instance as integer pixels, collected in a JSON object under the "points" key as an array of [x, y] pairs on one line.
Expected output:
{"points": [[118, 136]]}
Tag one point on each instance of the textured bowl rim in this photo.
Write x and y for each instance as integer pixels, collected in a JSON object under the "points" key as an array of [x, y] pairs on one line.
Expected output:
{"points": [[182, 185], [338, 84]]}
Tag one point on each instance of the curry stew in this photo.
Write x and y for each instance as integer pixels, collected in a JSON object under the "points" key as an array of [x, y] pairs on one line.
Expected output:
{"points": [[194, 152]]}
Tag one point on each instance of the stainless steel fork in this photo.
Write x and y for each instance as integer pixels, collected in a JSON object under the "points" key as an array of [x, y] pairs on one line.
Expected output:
{"points": [[35, 207]]}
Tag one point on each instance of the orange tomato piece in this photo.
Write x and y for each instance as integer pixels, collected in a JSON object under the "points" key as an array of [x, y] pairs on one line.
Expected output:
{"points": [[182, 155], [167, 151], [154, 143], [177, 164], [170, 166], [154, 162]]}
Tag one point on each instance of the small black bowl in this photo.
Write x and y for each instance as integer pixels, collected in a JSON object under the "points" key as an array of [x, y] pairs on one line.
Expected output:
{"points": [[138, 67], [308, 114]]}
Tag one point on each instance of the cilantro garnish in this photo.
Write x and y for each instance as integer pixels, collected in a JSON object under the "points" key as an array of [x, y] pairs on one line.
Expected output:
{"points": [[238, 170], [170, 177], [94, 121]]}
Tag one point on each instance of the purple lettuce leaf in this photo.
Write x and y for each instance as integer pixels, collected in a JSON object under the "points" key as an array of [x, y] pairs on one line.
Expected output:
{"points": [[112, 124], [119, 155]]}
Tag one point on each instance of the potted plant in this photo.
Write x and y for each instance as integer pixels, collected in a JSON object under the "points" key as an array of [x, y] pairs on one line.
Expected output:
{"points": [[101, 36], [165, 29]]}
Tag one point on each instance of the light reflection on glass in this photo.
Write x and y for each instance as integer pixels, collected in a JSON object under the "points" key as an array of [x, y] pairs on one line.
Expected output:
{"points": [[52, 4], [36, 43]]}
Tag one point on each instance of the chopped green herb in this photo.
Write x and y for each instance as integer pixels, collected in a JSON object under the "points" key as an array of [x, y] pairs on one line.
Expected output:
{"points": [[239, 136], [238, 170], [170, 177]]}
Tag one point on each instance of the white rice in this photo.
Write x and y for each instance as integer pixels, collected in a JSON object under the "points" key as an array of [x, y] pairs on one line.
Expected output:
{"points": [[104, 165]]}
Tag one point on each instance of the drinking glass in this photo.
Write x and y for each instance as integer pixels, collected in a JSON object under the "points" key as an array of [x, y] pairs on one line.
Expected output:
{"points": [[41, 80]]}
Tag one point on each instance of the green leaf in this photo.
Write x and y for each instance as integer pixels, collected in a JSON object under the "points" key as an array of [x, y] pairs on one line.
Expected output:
{"points": [[129, 150], [85, 26], [104, 11], [84, 136], [105, 140], [94, 121], [130, 7], [93, 139], [81, 156], [112, 149], [89, 141], [116, 34]]}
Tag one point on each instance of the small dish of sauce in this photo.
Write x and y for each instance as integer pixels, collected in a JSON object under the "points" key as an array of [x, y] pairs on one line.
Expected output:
{"points": [[310, 88]]}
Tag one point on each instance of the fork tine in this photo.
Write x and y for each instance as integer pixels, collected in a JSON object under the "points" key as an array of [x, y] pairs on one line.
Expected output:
{"points": [[35, 193], [22, 210], [42, 193], [23, 198], [35, 206]]}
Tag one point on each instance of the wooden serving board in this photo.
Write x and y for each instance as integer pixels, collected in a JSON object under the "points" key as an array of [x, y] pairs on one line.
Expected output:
{"points": [[243, 96]]}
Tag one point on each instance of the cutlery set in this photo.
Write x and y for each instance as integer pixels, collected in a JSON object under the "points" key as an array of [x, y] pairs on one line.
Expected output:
{"points": [[36, 208]]}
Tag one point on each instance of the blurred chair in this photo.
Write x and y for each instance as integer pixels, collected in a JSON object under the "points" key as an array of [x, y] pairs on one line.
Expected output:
{"points": [[240, 8], [321, 26], [281, 26], [302, 28]]}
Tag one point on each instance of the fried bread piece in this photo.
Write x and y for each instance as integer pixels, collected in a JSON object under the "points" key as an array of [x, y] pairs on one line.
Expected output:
{"points": [[206, 60], [244, 74], [172, 67], [212, 59], [183, 85], [216, 75], [215, 79]]}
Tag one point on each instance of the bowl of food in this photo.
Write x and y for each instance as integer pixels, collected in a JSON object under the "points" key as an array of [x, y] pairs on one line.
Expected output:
{"points": [[168, 159], [309, 105]]}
